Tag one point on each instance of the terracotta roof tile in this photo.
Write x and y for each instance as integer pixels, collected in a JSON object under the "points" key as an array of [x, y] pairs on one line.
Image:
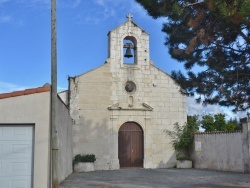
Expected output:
{"points": [[42, 89], [17, 93], [29, 91], [45, 88], [219, 132], [5, 95]]}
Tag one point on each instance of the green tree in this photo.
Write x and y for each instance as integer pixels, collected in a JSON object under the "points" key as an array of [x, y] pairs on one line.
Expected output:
{"points": [[245, 9], [234, 123], [193, 123], [182, 136], [207, 123], [218, 123], [215, 36]]}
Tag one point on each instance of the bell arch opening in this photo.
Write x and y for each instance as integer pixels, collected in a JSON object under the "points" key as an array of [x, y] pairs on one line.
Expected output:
{"points": [[129, 50]]}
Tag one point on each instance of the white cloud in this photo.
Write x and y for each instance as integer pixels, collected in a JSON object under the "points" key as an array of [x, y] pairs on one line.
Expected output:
{"points": [[10, 19], [6, 87], [3, 1], [45, 3], [97, 11], [76, 3], [68, 3], [60, 89], [195, 108], [5, 18], [138, 10], [100, 2], [108, 8], [36, 4]]}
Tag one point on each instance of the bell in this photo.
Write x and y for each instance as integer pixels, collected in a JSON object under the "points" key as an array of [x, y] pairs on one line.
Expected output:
{"points": [[128, 53]]}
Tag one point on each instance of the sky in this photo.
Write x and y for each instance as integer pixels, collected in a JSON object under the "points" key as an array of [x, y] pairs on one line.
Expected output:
{"points": [[82, 43]]}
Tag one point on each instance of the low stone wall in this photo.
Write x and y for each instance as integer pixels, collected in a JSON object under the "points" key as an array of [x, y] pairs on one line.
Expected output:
{"points": [[219, 151], [226, 151]]}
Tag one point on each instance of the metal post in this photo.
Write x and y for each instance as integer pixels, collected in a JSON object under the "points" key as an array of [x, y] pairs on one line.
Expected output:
{"points": [[54, 139]]}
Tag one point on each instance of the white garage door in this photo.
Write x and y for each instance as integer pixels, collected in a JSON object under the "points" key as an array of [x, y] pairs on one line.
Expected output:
{"points": [[16, 156]]}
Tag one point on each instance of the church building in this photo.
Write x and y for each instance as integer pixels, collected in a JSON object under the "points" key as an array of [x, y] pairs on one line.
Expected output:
{"points": [[121, 109]]}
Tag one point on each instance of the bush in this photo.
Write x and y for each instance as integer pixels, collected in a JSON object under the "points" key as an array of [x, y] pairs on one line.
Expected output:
{"points": [[84, 158], [182, 137]]}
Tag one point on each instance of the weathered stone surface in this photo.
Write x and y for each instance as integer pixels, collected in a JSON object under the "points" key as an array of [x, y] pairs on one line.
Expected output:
{"points": [[99, 103]]}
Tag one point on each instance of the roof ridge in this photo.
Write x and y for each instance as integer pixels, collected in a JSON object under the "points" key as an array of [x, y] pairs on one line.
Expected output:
{"points": [[29, 91]]}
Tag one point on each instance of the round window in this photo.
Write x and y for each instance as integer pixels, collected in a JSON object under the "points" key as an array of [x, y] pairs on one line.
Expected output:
{"points": [[130, 87]]}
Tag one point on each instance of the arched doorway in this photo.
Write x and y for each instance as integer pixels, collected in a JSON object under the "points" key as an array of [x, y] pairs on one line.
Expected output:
{"points": [[130, 145]]}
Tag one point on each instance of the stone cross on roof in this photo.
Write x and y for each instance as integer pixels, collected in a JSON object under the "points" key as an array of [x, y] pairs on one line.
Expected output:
{"points": [[129, 16]]}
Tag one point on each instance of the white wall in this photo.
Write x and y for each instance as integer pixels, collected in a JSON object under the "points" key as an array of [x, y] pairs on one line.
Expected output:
{"points": [[64, 96], [219, 151], [33, 109], [65, 152]]}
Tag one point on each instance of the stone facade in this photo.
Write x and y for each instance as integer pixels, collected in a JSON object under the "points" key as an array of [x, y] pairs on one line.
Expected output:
{"points": [[99, 103]]}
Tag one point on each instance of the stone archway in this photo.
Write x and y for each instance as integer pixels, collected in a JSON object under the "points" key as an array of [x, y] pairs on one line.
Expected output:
{"points": [[130, 145], [130, 42]]}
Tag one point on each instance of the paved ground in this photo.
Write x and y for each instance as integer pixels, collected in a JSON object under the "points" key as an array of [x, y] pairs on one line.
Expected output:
{"points": [[160, 178]]}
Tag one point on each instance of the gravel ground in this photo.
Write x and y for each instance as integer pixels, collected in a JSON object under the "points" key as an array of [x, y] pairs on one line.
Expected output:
{"points": [[167, 178]]}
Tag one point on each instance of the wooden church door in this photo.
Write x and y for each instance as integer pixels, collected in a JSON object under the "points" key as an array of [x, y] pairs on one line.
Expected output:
{"points": [[130, 145]]}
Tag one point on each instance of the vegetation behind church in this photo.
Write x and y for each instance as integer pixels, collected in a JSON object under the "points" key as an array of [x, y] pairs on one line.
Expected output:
{"points": [[213, 35], [182, 137], [218, 122]]}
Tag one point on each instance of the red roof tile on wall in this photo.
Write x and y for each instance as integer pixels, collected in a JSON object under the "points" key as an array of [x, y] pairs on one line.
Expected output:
{"points": [[24, 92], [219, 132]]}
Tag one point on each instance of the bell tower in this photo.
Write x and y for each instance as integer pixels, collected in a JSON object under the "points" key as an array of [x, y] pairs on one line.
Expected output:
{"points": [[128, 45]]}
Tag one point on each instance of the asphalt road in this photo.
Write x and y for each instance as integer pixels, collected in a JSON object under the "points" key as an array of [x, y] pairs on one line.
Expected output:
{"points": [[157, 178]]}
